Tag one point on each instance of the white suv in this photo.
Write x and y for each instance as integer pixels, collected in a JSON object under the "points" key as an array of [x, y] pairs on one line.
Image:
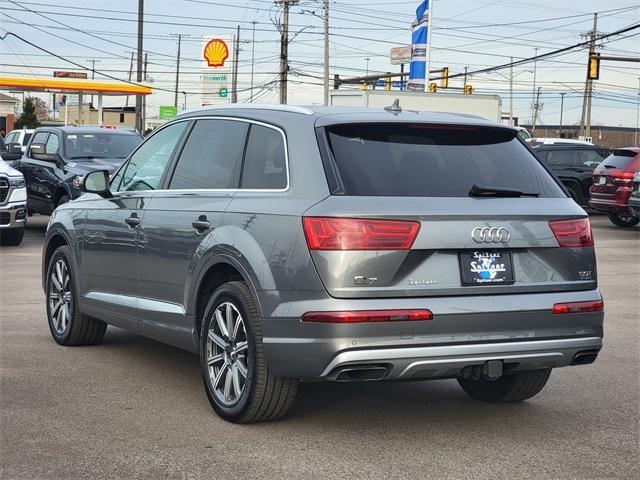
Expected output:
{"points": [[19, 136]]}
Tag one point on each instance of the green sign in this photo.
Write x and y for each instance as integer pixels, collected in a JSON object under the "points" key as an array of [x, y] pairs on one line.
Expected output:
{"points": [[223, 92], [167, 112]]}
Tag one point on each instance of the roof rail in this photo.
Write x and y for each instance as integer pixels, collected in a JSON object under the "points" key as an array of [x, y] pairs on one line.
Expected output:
{"points": [[252, 106]]}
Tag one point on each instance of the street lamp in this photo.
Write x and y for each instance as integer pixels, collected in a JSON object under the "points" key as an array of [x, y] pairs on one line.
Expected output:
{"points": [[184, 105]]}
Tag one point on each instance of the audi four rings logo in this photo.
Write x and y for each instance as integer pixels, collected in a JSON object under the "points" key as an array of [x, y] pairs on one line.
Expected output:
{"points": [[490, 235]]}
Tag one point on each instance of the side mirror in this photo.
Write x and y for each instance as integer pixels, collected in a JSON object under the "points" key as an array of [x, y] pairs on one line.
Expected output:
{"points": [[97, 182], [14, 149]]}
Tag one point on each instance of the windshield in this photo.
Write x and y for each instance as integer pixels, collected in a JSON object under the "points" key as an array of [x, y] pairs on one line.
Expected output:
{"points": [[423, 160], [99, 145]]}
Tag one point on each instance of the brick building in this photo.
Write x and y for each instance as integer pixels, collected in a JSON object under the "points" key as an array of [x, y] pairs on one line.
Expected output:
{"points": [[7, 112]]}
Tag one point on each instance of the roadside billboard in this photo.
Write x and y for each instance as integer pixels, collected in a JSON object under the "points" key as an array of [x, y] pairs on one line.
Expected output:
{"points": [[216, 53]]}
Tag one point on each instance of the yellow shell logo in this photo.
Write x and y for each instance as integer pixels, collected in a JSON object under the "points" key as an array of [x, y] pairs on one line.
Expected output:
{"points": [[216, 52]]}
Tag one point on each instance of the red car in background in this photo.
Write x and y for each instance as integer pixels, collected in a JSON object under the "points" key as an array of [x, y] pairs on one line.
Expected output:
{"points": [[613, 183]]}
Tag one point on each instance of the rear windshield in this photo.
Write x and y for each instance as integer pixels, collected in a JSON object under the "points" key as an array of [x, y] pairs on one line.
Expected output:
{"points": [[421, 160], [619, 160], [79, 146]]}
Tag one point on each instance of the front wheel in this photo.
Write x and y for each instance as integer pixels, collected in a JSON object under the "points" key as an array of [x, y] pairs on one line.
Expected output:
{"points": [[236, 376], [514, 387], [624, 220], [11, 237]]}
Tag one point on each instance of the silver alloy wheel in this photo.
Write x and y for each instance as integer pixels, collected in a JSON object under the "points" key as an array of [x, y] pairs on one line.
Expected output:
{"points": [[227, 350], [60, 297]]}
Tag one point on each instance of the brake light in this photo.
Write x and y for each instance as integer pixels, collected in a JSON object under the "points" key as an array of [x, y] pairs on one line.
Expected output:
{"points": [[572, 233], [622, 177], [578, 307], [332, 233], [368, 316]]}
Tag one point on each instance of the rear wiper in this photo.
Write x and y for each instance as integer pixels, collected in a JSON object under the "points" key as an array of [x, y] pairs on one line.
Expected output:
{"points": [[480, 191], [610, 166]]}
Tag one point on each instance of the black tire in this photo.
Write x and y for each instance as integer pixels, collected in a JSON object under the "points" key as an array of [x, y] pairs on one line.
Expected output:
{"points": [[78, 329], [264, 397], [11, 237], [575, 195], [624, 220], [508, 388]]}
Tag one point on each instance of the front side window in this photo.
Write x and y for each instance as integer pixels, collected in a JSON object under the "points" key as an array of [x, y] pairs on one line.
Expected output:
{"points": [[265, 161], [40, 137], [11, 138], [211, 156], [146, 166], [51, 147]]}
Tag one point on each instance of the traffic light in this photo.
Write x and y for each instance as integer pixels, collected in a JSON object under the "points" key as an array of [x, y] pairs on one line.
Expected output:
{"points": [[433, 87], [444, 82], [593, 73], [468, 89]]}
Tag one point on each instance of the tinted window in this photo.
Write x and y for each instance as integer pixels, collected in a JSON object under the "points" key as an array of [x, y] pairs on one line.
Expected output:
{"points": [[562, 158], [80, 146], [27, 136], [144, 169], [434, 160], [590, 158], [264, 162], [619, 159], [211, 157], [51, 147], [40, 137]]}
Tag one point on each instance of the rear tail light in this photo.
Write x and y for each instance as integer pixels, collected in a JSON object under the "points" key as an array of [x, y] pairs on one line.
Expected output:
{"points": [[578, 307], [332, 233], [622, 177], [572, 233], [368, 316]]}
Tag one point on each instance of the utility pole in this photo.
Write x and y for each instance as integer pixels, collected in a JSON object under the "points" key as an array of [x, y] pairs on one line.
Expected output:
{"points": [[585, 119], [253, 57], [326, 52], [234, 77], [637, 115], [561, 113], [535, 111], [284, 48], [533, 94], [511, 93], [175, 99], [130, 73], [93, 72], [144, 98], [465, 76], [139, 125]]}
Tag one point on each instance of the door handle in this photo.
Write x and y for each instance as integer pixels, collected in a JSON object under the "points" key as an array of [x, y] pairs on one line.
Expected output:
{"points": [[133, 221], [201, 224]]}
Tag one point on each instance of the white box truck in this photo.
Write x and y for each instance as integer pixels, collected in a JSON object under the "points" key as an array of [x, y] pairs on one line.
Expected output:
{"points": [[486, 106]]}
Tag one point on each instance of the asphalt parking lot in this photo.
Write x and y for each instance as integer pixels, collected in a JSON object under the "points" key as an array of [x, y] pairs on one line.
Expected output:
{"points": [[132, 407]]}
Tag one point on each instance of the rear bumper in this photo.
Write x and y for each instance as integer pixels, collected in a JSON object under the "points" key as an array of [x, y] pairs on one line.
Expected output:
{"points": [[520, 330], [611, 203], [634, 204]]}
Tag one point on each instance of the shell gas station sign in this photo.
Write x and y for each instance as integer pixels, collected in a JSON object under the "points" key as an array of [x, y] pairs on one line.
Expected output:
{"points": [[217, 62]]}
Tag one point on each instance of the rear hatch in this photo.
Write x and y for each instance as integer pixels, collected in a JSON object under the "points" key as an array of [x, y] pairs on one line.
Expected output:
{"points": [[421, 210], [614, 172]]}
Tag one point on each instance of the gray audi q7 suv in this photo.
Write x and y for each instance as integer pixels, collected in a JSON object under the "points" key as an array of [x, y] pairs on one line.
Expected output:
{"points": [[287, 244]]}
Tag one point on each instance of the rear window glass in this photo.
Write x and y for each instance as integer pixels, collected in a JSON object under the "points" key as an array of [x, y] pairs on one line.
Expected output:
{"points": [[421, 160], [619, 159]]}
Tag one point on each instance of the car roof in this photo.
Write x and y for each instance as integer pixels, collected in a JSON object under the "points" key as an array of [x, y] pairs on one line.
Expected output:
{"points": [[567, 146], [332, 115]]}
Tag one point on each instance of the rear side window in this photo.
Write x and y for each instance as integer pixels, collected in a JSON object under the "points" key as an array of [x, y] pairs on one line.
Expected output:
{"points": [[265, 161], [423, 160], [27, 136], [562, 158], [211, 157], [591, 158]]}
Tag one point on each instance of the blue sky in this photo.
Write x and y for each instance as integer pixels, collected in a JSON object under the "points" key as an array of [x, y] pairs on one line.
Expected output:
{"points": [[468, 33]]}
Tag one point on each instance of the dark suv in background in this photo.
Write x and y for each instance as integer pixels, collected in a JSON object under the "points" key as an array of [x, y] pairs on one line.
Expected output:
{"points": [[58, 157], [284, 243], [573, 164]]}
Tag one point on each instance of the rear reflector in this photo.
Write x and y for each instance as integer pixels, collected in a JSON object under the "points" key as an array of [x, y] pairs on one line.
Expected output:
{"points": [[332, 233], [578, 307], [368, 316], [572, 233]]}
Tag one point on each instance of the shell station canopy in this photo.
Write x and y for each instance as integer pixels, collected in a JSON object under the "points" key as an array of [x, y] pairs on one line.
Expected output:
{"points": [[73, 86]]}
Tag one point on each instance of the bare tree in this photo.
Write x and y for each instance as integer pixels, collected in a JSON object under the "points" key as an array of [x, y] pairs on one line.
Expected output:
{"points": [[42, 111]]}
